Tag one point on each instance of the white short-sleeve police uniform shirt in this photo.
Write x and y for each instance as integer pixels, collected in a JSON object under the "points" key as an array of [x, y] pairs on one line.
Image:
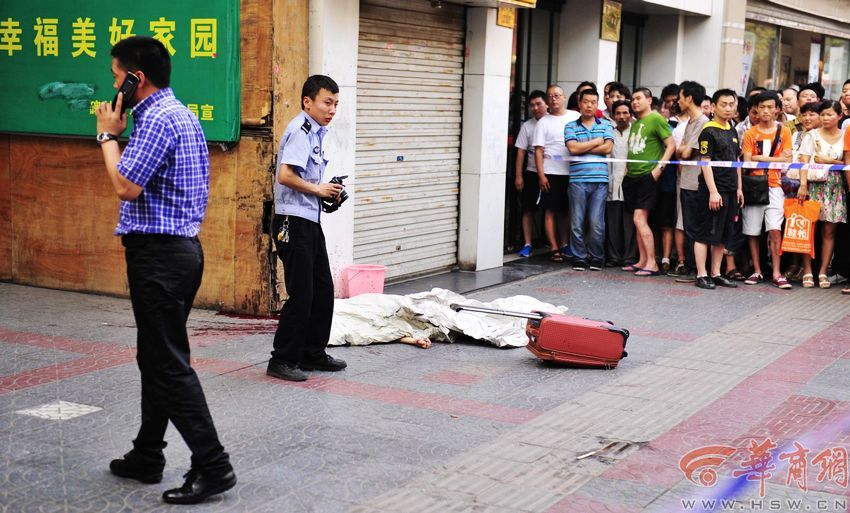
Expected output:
{"points": [[301, 148]]}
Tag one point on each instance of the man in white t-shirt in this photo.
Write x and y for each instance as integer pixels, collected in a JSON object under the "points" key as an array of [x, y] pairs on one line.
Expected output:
{"points": [[553, 170], [526, 181]]}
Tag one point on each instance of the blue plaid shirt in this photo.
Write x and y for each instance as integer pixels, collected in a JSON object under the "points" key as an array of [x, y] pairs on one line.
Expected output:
{"points": [[167, 156]]}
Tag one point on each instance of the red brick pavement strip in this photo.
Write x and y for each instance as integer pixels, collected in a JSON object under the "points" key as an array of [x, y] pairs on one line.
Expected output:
{"points": [[578, 503], [751, 403], [452, 378], [64, 370], [112, 355], [407, 398]]}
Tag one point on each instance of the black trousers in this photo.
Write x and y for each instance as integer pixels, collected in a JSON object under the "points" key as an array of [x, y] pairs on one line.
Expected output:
{"points": [[164, 273], [620, 242], [305, 319]]}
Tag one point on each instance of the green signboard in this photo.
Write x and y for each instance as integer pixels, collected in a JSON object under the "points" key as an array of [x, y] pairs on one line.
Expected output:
{"points": [[55, 62]]}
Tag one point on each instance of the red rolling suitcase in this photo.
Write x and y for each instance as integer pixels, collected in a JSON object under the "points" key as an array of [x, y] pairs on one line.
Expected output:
{"points": [[566, 339]]}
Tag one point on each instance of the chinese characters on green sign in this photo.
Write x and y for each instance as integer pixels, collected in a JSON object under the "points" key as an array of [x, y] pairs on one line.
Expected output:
{"points": [[55, 62]]}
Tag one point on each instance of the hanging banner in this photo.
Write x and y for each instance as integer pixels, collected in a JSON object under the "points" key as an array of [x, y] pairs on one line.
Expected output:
{"points": [[55, 62], [747, 62]]}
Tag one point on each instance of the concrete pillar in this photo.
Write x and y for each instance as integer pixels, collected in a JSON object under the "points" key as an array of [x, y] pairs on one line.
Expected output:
{"points": [[486, 87], [660, 52], [582, 55], [334, 32], [733, 14]]}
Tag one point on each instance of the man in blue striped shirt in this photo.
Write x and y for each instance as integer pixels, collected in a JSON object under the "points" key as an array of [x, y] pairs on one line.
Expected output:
{"points": [[591, 137], [162, 178]]}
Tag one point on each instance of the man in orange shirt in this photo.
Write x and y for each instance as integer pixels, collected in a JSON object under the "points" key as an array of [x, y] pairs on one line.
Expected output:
{"points": [[768, 141]]}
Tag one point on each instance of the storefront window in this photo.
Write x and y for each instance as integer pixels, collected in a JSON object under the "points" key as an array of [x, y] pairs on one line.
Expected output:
{"points": [[761, 49], [836, 66]]}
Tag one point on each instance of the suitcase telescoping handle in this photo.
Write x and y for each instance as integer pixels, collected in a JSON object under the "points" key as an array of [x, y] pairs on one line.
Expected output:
{"points": [[535, 316]]}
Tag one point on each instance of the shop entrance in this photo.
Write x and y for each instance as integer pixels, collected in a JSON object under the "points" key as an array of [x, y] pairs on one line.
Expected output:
{"points": [[534, 66]]}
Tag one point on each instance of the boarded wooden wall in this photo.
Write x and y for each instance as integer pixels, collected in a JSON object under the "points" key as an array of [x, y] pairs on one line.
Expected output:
{"points": [[5, 211], [58, 209]]}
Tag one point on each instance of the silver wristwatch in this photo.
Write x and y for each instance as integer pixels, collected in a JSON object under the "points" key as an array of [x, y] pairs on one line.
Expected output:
{"points": [[105, 136]]}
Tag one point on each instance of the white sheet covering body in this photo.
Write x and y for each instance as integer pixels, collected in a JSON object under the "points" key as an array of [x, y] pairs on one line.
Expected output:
{"points": [[376, 318]]}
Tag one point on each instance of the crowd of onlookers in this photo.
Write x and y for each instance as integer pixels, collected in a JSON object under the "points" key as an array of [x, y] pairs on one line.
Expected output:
{"points": [[703, 224]]}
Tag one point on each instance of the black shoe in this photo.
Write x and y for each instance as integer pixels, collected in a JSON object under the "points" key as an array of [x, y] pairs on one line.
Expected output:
{"points": [[704, 282], [285, 371], [324, 362], [579, 265], [723, 281], [688, 277], [141, 467], [199, 487], [596, 266]]}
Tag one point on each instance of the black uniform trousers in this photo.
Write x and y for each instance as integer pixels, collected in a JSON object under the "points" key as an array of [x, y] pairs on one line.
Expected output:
{"points": [[305, 319], [164, 273], [621, 244]]}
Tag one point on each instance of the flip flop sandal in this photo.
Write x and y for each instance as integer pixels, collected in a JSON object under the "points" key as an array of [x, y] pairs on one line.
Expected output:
{"points": [[735, 275], [557, 256], [647, 272], [629, 269], [823, 281], [808, 281]]}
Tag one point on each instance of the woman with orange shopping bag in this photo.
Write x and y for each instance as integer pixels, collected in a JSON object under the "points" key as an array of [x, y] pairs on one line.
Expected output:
{"points": [[824, 145]]}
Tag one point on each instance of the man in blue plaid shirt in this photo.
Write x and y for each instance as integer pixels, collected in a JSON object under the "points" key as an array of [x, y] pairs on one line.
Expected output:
{"points": [[162, 178]]}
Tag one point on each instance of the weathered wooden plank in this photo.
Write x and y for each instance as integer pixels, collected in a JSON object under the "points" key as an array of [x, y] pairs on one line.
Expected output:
{"points": [[64, 211], [290, 60], [5, 210], [252, 252], [256, 54]]}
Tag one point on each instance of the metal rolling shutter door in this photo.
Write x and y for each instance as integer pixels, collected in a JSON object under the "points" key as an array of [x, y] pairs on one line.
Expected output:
{"points": [[409, 93]]}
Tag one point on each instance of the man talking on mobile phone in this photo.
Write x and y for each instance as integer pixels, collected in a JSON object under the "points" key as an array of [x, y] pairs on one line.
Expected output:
{"points": [[162, 178]]}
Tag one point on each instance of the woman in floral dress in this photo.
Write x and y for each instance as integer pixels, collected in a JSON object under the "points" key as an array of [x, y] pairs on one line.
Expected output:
{"points": [[824, 145]]}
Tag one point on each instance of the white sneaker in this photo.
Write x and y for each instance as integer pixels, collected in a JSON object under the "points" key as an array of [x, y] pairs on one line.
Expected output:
{"points": [[836, 278]]}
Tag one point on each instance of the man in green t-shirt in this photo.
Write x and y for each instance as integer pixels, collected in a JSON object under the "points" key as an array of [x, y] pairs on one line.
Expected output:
{"points": [[650, 140]]}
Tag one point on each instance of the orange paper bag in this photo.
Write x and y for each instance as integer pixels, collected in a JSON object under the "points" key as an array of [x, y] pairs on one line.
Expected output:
{"points": [[800, 220]]}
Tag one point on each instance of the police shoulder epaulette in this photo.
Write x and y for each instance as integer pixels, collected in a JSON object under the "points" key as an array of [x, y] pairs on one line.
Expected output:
{"points": [[306, 126]]}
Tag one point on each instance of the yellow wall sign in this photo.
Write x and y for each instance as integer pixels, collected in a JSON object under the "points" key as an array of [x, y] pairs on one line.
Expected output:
{"points": [[612, 14], [506, 17]]}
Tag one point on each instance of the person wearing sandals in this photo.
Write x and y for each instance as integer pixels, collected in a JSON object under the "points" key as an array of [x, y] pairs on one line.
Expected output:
{"points": [[719, 192], [650, 141], [846, 290], [553, 170], [824, 145], [768, 141]]}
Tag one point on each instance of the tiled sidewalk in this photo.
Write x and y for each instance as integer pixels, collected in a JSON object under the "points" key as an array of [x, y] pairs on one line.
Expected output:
{"points": [[461, 427]]}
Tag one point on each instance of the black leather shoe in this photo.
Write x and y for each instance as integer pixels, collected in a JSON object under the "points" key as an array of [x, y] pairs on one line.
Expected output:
{"points": [[325, 362], [199, 487], [285, 371], [722, 281], [143, 468], [704, 282]]}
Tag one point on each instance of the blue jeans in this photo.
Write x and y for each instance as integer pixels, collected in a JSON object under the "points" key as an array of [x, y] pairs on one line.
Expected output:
{"points": [[587, 203]]}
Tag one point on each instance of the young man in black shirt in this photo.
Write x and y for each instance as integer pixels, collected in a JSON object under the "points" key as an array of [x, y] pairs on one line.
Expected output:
{"points": [[719, 192]]}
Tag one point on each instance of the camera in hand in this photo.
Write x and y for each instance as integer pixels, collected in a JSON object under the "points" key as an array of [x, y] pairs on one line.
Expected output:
{"points": [[332, 204]]}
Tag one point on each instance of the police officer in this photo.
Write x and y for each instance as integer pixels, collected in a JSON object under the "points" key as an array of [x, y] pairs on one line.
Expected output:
{"points": [[305, 320]]}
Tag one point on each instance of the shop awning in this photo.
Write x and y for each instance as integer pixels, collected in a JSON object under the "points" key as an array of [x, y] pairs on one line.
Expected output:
{"points": [[759, 10]]}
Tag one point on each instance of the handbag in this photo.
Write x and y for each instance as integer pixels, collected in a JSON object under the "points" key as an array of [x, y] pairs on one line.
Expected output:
{"points": [[755, 187], [814, 172]]}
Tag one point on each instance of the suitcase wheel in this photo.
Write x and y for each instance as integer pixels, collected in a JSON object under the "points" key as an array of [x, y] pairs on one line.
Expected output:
{"points": [[625, 354]]}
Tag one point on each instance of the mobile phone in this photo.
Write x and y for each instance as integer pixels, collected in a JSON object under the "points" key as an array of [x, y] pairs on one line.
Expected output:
{"points": [[128, 87]]}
